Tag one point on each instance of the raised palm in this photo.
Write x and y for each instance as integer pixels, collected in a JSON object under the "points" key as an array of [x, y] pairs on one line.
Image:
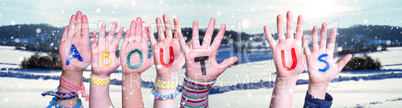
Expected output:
{"points": [[167, 65], [207, 51], [104, 60], [135, 47], [287, 53], [77, 34], [319, 71]]}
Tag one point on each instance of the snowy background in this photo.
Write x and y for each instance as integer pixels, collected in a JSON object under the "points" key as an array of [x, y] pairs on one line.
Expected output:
{"points": [[245, 85]]}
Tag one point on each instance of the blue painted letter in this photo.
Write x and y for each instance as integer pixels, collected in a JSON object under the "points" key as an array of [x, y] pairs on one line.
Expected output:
{"points": [[129, 56], [321, 60], [77, 55]]}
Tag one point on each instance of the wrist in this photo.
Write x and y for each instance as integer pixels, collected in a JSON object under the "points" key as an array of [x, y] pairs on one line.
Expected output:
{"points": [[100, 76], [285, 82], [73, 76], [171, 77], [164, 91], [317, 90], [197, 76]]}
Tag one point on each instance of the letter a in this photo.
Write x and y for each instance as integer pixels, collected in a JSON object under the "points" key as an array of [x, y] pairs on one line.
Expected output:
{"points": [[293, 57], [321, 60], [171, 57], [77, 55]]}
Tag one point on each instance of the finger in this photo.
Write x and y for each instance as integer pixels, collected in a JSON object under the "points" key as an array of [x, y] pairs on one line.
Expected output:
{"points": [[151, 37], [305, 46], [93, 41], [78, 24], [117, 39], [208, 34], [315, 38], [190, 44], [144, 35], [323, 41], [132, 30], [159, 28], [332, 40], [299, 28], [228, 62], [168, 27], [85, 27], [343, 62], [196, 36], [218, 38], [183, 44], [117, 64], [71, 27], [138, 29], [101, 38], [279, 27], [177, 27], [110, 35], [289, 25], [269, 37], [64, 36], [126, 39]]}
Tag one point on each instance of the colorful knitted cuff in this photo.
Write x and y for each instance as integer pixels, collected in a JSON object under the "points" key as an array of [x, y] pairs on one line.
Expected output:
{"points": [[65, 95], [53, 104], [164, 97], [195, 93], [99, 81], [165, 85], [61, 95]]}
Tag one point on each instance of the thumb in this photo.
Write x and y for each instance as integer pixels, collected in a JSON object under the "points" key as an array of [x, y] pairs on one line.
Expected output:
{"points": [[228, 62], [344, 61]]}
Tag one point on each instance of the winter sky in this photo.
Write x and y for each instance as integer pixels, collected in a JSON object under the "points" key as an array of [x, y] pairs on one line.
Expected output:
{"points": [[252, 14]]}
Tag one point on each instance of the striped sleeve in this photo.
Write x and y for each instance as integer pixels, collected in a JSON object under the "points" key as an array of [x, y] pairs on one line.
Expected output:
{"points": [[195, 94]]}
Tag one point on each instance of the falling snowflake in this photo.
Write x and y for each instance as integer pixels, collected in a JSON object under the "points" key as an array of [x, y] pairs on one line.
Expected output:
{"points": [[12, 22], [245, 23], [218, 13], [98, 10], [133, 2], [160, 2], [20, 58], [339, 49], [38, 30], [17, 40]]}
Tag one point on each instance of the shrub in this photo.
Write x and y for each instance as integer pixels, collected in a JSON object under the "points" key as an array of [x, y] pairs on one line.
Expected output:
{"points": [[363, 62], [42, 62]]}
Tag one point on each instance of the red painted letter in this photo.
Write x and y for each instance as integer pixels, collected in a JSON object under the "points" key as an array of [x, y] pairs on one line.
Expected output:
{"points": [[293, 57], [171, 57]]}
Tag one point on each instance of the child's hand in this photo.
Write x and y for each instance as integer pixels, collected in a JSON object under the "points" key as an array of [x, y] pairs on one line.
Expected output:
{"points": [[168, 46], [321, 65], [134, 50], [78, 57], [201, 64], [104, 60], [288, 60], [287, 53]]}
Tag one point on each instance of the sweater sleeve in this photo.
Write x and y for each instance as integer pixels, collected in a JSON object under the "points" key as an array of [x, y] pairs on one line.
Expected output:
{"points": [[312, 102]]}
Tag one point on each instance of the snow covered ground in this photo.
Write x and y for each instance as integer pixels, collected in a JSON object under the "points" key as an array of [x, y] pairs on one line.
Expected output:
{"points": [[20, 92]]}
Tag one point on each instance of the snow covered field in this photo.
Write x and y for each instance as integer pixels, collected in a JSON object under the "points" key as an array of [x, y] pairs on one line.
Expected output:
{"points": [[22, 92]]}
